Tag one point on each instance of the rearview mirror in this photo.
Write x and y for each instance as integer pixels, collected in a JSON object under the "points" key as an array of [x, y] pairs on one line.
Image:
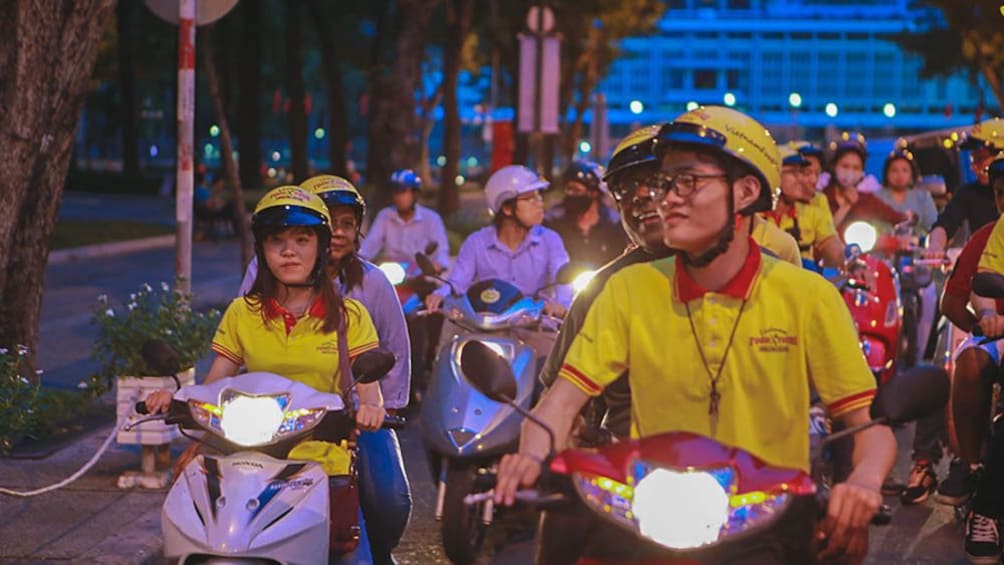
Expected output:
{"points": [[424, 263], [911, 395], [487, 371], [160, 358], [988, 285], [372, 365]]}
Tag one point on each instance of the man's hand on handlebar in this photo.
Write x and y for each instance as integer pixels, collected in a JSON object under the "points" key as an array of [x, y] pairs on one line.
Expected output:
{"points": [[516, 470], [158, 401], [433, 302]]}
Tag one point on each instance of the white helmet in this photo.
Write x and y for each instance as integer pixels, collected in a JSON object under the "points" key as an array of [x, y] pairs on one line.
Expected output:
{"points": [[508, 183]]}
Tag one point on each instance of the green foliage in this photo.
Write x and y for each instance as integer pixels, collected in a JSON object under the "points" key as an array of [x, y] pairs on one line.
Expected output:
{"points": [[151, 313], [19, 400]]}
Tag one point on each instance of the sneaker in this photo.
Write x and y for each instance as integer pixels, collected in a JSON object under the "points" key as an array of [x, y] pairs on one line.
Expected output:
{"points": [[921, 484], [983, 544], [958, 486], [892, 487]]}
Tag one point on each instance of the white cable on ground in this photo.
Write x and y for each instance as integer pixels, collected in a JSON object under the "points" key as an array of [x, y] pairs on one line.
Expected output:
{"points": [[72, 477]]}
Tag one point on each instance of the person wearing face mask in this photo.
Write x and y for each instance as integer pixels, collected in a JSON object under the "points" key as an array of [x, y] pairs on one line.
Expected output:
{"points": [[794, 213], [685, 329], [591, 231], [973, 202], [847, 202]]}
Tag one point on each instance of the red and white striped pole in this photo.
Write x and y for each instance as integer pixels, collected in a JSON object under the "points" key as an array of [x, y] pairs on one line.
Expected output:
{"points": [[186, 129]]}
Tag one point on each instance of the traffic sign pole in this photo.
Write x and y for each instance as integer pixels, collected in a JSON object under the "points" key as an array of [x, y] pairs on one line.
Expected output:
{"points": [[186, 131]]}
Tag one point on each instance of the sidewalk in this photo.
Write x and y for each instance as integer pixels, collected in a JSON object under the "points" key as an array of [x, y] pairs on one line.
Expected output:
{"points": [[91, 520]]}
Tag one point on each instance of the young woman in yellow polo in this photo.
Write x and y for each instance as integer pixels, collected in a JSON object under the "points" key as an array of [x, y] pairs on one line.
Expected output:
{"points": [[749, 333]]}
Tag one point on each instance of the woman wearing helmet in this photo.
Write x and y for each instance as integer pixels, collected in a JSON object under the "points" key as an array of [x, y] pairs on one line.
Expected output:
{"points": [[719, 333], [406, 227], [515, 248], [848, 202], [291, 311], [384, 492], [590, 229]]}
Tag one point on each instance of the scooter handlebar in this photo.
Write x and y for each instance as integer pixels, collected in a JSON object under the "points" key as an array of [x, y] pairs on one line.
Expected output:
{"points": [[394, 422]]}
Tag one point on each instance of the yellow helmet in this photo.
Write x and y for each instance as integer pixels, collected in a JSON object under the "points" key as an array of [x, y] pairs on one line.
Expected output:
{"points": [[989, 134], [734, 134], [289, 206], [337, 191]]}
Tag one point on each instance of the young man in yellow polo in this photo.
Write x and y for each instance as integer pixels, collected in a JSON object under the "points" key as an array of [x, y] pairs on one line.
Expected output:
{"points": [[794, 212], [722, 340]]}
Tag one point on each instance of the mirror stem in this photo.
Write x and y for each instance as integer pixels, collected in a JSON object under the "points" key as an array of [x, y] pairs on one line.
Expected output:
{"points": [[851, 431], [526, 414]]}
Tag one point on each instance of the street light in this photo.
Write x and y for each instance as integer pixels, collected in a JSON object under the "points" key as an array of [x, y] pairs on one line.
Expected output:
{"points": [[214, 130], [691, 106], [795, 99], [889, 110], [585, 146], [319, 133], [729, 99], [636, 107], [831, 110]]}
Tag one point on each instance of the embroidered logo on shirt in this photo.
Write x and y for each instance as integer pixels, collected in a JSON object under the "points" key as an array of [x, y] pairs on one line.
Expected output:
{"points": [[490, 296], [774, 340], [328, 347]]}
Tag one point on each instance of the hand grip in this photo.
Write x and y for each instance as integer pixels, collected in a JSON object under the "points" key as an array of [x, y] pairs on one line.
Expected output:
{"points": [[394, 422]]}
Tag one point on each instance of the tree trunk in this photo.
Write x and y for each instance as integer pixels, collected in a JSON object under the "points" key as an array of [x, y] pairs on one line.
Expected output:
{"points": [[458, 16], [205, 43], [47, 53], [338, 121], [249, 105], [393, 136], [125, 21], [428, 122], [294, 83]]}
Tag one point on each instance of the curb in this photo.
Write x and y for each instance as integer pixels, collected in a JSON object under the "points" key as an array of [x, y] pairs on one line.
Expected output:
{"points": [[106, 249]]}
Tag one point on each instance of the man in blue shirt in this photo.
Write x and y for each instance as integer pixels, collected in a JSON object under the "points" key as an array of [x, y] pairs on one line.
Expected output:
{"points": [[407, 227]]}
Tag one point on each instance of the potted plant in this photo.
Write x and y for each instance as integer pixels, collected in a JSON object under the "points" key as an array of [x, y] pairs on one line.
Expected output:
{"points": [[163, 313]]}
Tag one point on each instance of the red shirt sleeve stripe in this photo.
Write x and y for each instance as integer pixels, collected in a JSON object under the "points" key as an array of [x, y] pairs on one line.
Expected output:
{"points": [[852, 402], [585, 382], [353, 353], [219, 349]]}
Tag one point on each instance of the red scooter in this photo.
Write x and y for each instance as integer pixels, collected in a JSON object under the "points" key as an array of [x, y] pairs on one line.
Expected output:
{"points": [[679, 497]]}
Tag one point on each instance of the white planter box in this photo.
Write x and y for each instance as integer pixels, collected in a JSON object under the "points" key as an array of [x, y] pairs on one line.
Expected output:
{"points": [[129, 391]]}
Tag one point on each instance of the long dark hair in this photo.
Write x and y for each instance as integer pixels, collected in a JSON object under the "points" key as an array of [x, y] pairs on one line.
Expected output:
{"points": [[349, 270], [266, 285]]}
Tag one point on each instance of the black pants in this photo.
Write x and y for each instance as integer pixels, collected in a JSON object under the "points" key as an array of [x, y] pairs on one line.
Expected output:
{"points": [[989, 497], [568, 534]]}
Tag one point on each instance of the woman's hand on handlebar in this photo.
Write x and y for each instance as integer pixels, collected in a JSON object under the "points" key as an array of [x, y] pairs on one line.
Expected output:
{"points": [[433, 302], [158, 401], [555, 309], [992, 325]]}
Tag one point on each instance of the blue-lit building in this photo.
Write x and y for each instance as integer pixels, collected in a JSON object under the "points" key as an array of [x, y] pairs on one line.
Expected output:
{"points": [[800, 66]]}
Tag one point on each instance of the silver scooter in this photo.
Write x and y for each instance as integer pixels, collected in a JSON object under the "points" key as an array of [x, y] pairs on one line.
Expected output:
{"points": [[465, 432]]}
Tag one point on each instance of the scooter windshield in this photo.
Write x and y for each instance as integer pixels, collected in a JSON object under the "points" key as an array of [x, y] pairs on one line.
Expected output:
{"points": [[492, 296]]}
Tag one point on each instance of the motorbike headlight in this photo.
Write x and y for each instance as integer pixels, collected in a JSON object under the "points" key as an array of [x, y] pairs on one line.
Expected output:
{"points": [[680, 510], [582, 280], [862, 234], [251, 420], [395, 272]]}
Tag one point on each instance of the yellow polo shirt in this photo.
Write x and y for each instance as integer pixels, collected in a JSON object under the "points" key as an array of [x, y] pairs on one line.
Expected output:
{"points": [[993, 254], [297, 350], [795, 332], [774, 239], [820, 201], [815, 225]]}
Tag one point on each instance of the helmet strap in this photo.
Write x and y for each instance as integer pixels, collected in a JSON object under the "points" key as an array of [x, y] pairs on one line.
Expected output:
{"points": [[725, 237]]}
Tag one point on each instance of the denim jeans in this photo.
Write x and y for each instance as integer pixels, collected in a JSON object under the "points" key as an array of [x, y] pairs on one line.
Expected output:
{"points": [[384, 492]]}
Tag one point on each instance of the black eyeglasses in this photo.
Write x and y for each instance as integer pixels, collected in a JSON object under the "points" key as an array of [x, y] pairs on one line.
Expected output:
{"points": [[623, 188], [683, 184]]}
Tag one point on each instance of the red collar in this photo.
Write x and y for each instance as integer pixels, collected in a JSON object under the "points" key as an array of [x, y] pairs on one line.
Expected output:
{"points": [[687, 289], [273, 309], [777, 216]]}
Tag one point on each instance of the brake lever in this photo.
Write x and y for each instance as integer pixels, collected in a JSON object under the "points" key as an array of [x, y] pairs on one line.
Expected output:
{"points": [[528, 496]]}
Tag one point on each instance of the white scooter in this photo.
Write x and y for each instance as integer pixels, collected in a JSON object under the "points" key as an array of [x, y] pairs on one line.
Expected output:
{"points": [[251, 504]]}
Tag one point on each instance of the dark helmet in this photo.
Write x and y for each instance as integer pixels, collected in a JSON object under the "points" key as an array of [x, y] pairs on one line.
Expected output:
{"points": [[292, 206], [588, 173], [896, 155], [849, 143], [996, 168], [405, 179], [806, 148]]}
